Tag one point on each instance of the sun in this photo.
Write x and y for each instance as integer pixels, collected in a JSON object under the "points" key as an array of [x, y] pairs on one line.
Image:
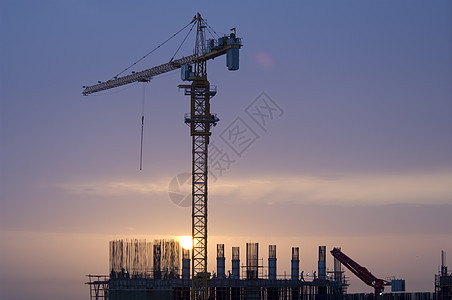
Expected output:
{"points": [[186, 242]]}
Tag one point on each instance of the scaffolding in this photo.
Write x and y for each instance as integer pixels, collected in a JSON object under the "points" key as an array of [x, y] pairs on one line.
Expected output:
{"points": [[130, 258], [138, 258], [252, 260], [339, 276], [98, 287]]}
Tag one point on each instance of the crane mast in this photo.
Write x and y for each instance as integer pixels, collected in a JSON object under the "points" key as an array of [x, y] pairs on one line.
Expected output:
{"points": [[200, 120]]}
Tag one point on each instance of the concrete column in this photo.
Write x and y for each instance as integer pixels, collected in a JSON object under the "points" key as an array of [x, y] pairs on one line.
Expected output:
{"points": [[295, 262], [235, 262], [322, 263], [220, 261], [185, 264], [272, 262]]}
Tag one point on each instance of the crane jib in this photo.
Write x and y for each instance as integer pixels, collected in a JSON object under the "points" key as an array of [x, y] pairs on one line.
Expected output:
{"points": [[139, 76], [230, 48]]}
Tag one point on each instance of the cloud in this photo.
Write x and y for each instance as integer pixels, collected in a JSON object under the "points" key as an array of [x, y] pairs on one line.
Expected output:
{"points": [[115, 188], [357, 189]]}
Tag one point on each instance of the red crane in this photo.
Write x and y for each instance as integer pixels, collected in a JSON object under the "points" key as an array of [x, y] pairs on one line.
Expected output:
{"points": [[361, 272]]}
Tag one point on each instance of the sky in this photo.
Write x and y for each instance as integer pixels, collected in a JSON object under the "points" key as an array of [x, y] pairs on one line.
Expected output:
{"points": [[345, 107]]}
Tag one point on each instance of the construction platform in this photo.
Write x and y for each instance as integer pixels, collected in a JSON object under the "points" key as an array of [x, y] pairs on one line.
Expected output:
{"points": [[161, 269]]}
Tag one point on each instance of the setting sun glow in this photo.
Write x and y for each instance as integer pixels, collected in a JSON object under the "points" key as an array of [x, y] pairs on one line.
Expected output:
{"points": [[186, 242]]}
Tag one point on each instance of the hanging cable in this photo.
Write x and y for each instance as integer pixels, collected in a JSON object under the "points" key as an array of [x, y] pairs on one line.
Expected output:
{"points": [[208, 26], [142, 127], [210, 32], [152, 50], [183, 41]]}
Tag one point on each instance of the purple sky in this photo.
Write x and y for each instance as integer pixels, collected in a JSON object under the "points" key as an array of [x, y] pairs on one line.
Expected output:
{"points": [[358, 153]]}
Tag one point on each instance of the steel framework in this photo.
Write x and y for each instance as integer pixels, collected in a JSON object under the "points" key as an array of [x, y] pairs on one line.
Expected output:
{"points": [[200, 120], [98, 287]]}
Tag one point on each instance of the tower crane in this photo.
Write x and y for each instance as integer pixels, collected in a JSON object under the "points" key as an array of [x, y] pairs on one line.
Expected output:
{"points": [[361, 272], [200, 119]]}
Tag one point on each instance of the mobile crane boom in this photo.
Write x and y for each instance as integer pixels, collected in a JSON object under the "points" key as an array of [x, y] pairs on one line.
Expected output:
{"points": [[361, 272]]}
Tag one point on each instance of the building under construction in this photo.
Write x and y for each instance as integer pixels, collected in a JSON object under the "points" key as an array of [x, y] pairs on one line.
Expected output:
{"points": [[443, 281], [161, 270]]}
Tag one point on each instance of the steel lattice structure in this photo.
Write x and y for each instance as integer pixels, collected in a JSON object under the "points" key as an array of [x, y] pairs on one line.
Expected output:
{"points": [[200, 120]]}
